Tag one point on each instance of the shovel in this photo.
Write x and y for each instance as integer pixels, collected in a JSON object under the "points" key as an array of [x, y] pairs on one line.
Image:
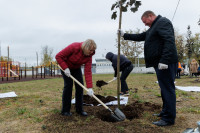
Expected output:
{"points": [[100, 83], [117, 114]]}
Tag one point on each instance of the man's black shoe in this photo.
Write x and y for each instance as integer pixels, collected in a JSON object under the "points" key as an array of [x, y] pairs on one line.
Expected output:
{"points": [[82, 113], [162, 123], [158, 115], [66, 113]]}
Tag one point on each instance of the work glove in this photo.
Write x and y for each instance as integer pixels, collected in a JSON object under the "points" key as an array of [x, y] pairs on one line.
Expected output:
{"points": [[114, 78], [162, 66], [120, 32], [67, 72], [90, 92]]}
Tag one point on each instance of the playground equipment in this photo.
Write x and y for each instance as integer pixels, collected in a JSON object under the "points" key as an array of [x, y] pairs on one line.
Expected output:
{"points": [[9, 69]]}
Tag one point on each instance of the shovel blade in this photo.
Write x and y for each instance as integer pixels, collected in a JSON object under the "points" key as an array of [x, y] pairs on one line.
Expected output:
{"points": [[118, 115], [100, 83]]}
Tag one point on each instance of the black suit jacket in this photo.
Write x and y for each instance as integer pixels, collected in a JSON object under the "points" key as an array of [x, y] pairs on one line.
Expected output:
{"points": [[159, 46]]}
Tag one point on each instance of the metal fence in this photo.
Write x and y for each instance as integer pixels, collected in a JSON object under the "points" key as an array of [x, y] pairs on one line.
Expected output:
{"points": [[7, 73]]}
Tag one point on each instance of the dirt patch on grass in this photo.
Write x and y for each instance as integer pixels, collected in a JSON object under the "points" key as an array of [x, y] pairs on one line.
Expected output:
{"points": [[89, 100], [42, 104], [98, 118]]}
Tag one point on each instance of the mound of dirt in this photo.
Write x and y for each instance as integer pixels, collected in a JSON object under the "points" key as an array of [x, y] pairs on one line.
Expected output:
{"points": [[131, 111], [89, 100], [97, 116]]}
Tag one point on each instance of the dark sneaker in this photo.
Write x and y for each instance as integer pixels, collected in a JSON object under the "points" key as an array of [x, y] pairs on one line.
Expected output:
{"points": [[82, 113], [121, 93], [66, 113], [126, 93], [158, 115], [162, 123]]}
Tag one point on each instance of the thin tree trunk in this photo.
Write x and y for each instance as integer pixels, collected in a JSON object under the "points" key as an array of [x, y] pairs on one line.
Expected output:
{"points": [[118, 58]]}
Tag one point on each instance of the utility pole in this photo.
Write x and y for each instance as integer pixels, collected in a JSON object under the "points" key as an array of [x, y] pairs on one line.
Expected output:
{"points": [[8, 64], [37, 57], [8, 53]]}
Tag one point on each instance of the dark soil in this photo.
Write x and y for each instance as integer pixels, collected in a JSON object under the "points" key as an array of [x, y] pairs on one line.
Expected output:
{"points": [[89, 100], [131, 111], [97, 116], [100, 83]]}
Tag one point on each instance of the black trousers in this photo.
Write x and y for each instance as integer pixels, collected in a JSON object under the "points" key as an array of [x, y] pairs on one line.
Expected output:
{"points": [[178, 74], [67, 91], [124, 75], [166, 80]]}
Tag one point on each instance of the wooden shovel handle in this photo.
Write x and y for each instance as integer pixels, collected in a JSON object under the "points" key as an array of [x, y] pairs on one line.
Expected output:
{"points": [[111, 81], [85, 89]]}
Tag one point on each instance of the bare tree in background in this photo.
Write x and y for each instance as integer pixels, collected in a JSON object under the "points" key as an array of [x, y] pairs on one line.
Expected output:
{"points": [[5, 58], [196, 46], [180, 45], [131, 49], [190, 42], [47, 57]]}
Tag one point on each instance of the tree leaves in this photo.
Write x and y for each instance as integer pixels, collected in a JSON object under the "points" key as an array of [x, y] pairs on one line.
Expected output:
{"points": [[124, 9], [114, 15], [113, 6], [123, 1], [134, 9], [138, 3], [131, 2], [125, 5]]}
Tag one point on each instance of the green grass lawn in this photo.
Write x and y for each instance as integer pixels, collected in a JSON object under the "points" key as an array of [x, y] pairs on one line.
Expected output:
{"points": [[38, 99]]}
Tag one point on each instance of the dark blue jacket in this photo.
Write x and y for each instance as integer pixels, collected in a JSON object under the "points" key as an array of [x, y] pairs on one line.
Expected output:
{"points": [[159, 46], [124, 62]]}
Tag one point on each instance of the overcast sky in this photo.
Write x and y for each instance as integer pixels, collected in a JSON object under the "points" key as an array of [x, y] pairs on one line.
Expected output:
{"points": [[28, 25]]}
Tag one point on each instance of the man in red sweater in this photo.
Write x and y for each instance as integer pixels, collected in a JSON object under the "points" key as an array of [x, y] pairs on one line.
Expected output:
{"points": [[70, 60]]}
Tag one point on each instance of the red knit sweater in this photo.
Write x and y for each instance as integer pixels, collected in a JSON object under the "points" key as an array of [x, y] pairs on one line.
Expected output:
{"points": [[72, 57]]}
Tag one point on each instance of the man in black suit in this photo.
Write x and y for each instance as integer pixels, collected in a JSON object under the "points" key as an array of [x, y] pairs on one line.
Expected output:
{"points": [[160, 52]]}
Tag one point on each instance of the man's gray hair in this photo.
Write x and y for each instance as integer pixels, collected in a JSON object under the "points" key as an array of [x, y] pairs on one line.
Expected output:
{"points": [[147, 13]]}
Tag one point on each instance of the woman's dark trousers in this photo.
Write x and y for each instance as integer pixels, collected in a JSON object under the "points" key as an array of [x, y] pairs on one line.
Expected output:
{"points": [[67, 91]]}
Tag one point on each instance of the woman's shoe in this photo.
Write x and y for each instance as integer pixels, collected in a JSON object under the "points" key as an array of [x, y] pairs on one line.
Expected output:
{"points": [[66, 113], [83, 113], [126, 93], [121, 93]]}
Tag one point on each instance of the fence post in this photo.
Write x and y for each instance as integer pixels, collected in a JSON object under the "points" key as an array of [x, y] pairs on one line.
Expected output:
{"points": [[51, 69], [21, 73], [10, 69], [41, 72], [25, 71], [36, 72], [54, 70], [44, 72], [32, 72], [3, 72], [7, 70]]}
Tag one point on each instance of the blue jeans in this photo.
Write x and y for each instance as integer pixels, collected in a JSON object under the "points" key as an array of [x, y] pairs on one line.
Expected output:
{"points": [[124, 75], [166, 80], [67, 91]]}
